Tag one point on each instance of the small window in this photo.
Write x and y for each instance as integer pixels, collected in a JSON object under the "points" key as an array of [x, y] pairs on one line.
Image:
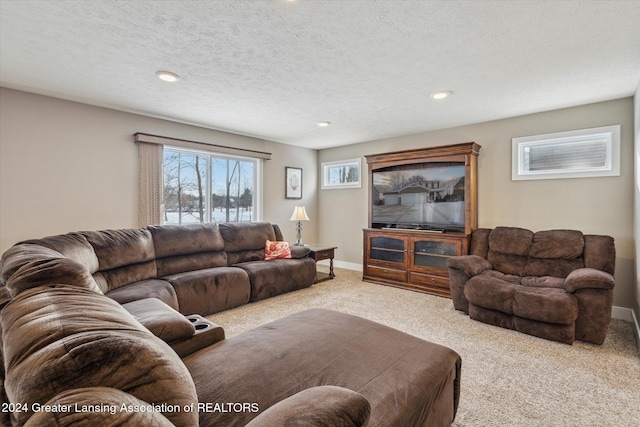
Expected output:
{"points": [[575, 154]]}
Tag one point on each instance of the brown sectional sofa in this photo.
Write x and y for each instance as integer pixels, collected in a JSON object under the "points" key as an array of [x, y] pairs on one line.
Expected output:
{"points": [[74, 356], [195, 269], [554, 284]]}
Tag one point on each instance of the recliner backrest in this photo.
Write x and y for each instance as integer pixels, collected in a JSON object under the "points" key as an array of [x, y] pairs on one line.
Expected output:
{"points": [[125, 256], [244, 241], [66, 258], [509, 249], [187, 247], [556, 253]]}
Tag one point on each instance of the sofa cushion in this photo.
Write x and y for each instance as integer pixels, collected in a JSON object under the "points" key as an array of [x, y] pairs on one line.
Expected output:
{"points": [[188, 247], [511, 278], [555, 253], [162, 320], [109, 280], [73, 246], [559, 268], [210, 290], [244, 241], [552, 244], [62, 337], [543, 282], [108, 403], [124, 256], [509, 249], [27, 257], [46, 271], [490, 292], [118, 248], [551, 305], [275, 277], [152, 288]]}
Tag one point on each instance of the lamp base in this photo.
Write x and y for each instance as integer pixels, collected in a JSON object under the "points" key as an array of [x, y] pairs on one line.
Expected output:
{"points": [[298, 234]]}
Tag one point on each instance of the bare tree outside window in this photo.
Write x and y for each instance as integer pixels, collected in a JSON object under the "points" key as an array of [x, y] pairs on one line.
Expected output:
{"points": [[208, 188]]}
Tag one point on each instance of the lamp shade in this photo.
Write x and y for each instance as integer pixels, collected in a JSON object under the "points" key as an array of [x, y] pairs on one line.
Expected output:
{"points": [[299, 214]]}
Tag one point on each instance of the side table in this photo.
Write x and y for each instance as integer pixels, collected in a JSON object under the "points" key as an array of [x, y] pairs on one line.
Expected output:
{"points": [[320, 252]]}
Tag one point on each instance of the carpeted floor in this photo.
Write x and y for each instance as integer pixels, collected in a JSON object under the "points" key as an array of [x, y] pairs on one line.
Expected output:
{"points": [[508, 378]]}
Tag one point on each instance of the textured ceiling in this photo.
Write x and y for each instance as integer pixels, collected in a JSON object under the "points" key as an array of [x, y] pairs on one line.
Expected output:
{"points": [[273, 68]]}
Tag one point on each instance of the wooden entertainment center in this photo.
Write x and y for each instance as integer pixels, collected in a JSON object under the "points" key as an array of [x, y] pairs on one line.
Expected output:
{"points": [[422, 211]]}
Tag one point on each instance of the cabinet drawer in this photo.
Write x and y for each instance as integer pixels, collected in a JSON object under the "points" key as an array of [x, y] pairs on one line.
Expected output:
{"points": [[386, 273], [326, 254], [430, 280]]}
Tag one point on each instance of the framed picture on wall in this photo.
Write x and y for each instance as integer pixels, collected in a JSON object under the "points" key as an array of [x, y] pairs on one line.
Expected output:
{"points": [[293, 183], [341, 174]]}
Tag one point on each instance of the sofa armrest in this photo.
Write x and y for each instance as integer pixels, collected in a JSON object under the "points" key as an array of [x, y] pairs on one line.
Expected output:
{"points": [[471, 265], [317, 406], [299, 252], [588, 278], [162, 320], [207, 333]]}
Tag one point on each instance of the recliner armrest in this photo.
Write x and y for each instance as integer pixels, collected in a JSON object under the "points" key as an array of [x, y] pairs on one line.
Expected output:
{"points": [[162, 320], [588, 278], [317, 406], [471, 265]]}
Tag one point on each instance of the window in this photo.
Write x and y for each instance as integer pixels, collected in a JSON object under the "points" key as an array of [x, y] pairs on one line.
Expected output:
{"points": [[576, 154], [200, 186], [341, 174]]}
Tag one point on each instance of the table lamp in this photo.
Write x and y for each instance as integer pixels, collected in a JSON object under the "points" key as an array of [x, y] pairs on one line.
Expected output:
{"points": [[299, 214]]}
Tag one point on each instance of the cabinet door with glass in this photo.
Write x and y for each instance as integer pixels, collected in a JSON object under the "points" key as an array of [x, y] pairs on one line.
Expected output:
{"points": [[430, 254], [386, 250], [386, 257]]}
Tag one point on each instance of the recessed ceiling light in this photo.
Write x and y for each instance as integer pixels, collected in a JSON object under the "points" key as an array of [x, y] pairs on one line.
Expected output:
{"points": [[167, 76], [441, 94], [323, 124]]}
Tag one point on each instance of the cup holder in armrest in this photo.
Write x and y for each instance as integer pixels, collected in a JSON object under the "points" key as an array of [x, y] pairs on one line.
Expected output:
{"points": [[199, 322], [207, 333]]}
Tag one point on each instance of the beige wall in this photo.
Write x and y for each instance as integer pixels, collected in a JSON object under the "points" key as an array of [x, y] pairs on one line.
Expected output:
{"points": [[593, 205], [277, 208], [66, 166], [636, 209]]}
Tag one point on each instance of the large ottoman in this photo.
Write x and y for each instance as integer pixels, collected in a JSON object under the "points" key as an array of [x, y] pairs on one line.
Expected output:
{"points": [[406, 380]]}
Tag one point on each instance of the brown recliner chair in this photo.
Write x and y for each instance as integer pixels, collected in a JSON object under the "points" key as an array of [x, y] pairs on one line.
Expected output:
{"points": [[555, 284]]}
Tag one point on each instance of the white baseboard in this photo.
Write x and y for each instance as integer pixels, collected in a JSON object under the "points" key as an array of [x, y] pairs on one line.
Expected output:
{"points": [[343, 264], [636, 329], [622, 313]]}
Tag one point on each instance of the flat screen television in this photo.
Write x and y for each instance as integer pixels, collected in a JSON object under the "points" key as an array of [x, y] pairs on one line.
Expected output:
{"points": [[425, 196]]}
